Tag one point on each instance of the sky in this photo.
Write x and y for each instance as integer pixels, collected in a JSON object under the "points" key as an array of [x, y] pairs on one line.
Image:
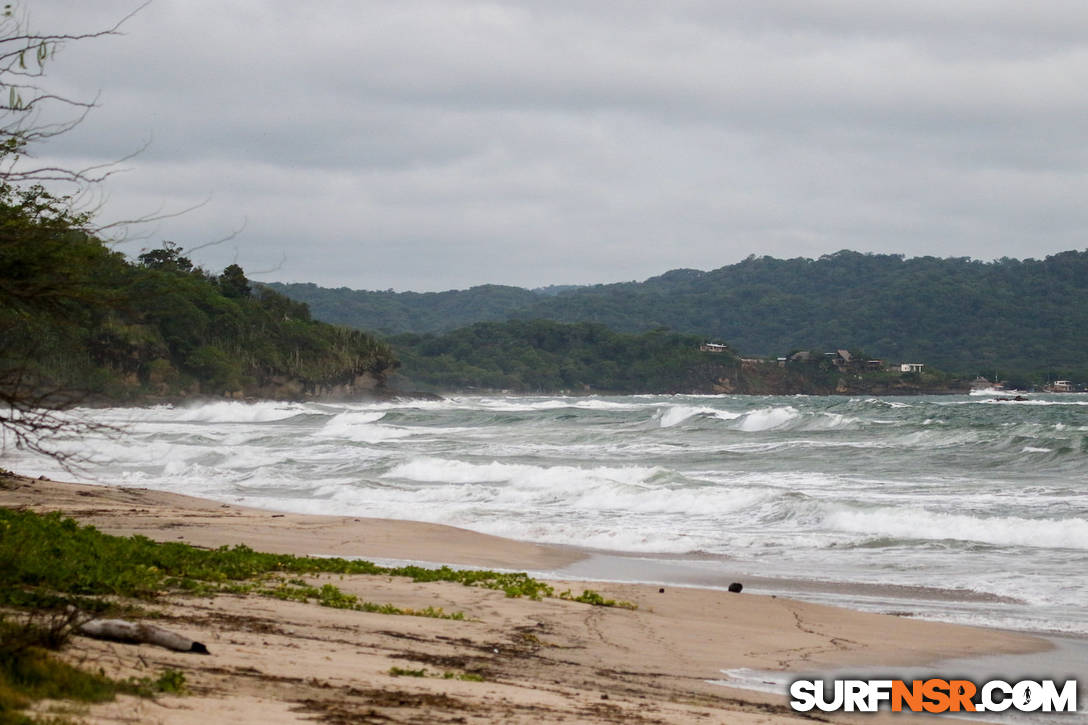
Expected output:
{"points": [[430, 145]]}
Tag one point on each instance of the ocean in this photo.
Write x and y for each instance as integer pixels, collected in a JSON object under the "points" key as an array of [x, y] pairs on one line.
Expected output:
{"points": [[956, 508]]}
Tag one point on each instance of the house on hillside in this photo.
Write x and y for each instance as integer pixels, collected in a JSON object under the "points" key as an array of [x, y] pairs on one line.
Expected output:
{"points": [[911, 367], [713, 347], [844, 360]]}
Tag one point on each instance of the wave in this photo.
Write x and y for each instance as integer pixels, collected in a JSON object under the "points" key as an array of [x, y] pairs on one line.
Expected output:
{"points": [[829, 421], [523, 405], [676, 414], [759, 420], [231, 411], [1034, 402], [627, 489], [927, 488], [773, 418], [442, 470], [917, 524], [605, 537], [594, 404], [988, 391], [359, 427]]}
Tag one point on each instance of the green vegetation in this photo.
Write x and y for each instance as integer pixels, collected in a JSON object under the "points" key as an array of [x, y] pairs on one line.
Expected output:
{"points": [[464, 676], [402, 672], [53, 560], [542, 356], [390, 312], [590, 596], [77, 316], [29, 673], [54, 572], [80, 322], [538, 355], [1023, 317], [330, 596]]}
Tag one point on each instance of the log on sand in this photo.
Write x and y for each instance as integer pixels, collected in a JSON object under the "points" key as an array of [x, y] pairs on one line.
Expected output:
{"points": [[119, 630]]}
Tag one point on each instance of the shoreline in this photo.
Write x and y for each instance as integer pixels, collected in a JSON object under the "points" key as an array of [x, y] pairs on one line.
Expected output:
{"points": [[543, 661], [411, 541], [211, 523]]}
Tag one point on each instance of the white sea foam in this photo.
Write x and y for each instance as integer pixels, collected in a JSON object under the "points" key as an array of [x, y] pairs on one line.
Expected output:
{"points": [[783, 485], [594, 404], [677, 414], [597, 489], [613, 538], [828, 421], [454, 471], [360, 427], [765, 419], [988, 391], [917, 523], [236, 412]]}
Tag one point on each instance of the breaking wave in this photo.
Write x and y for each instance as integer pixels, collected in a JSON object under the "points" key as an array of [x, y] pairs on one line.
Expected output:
{"points": [[236, 412], [999, 531]]}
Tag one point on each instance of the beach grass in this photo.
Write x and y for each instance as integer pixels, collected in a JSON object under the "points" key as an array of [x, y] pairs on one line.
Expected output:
{"points": [[49, 560], [590, 596], [28, 672], [55, 573]]}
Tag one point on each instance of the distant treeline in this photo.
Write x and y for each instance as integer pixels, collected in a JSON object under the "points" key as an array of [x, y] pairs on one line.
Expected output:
{"points": [[1013, 317], [545, 356], [548, 357], [77, 318]]}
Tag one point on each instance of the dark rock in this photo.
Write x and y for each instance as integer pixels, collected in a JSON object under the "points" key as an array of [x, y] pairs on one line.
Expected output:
{"points": [[735, 587]]}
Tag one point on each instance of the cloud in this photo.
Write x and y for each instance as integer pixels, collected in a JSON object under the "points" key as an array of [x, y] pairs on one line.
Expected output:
{"points": [[430, 145]]}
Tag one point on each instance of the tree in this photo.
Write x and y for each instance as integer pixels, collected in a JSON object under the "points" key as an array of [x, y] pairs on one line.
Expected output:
{"points": [[46, 245], [168, 257], [233, 282], [24, 55]]}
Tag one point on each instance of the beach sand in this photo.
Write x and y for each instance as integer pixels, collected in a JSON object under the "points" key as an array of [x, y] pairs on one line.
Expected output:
{"points": [[543, 661]]}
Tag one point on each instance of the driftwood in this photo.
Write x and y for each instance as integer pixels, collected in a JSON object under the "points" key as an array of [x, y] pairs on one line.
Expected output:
{"points": [[119, 630]]}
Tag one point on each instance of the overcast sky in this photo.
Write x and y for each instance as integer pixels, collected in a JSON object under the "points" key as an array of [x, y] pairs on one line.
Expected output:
{"points": [[439, 144]]}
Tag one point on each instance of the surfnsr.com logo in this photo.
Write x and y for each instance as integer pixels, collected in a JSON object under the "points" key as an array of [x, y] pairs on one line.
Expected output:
{"points": [[934, 695]]}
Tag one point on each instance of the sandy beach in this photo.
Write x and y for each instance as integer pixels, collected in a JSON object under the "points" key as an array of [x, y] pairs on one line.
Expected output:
{"points": [[545, 661]]}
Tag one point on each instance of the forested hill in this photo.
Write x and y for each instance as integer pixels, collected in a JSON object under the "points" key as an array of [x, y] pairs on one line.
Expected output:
{"points": [[392, 312], [79, 320], [956, 314], [544, 356]]}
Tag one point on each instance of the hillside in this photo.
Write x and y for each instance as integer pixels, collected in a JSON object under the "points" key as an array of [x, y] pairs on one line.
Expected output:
{"points": [[391, 312], [545, 356], [1018, 316], [80, 321]]}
